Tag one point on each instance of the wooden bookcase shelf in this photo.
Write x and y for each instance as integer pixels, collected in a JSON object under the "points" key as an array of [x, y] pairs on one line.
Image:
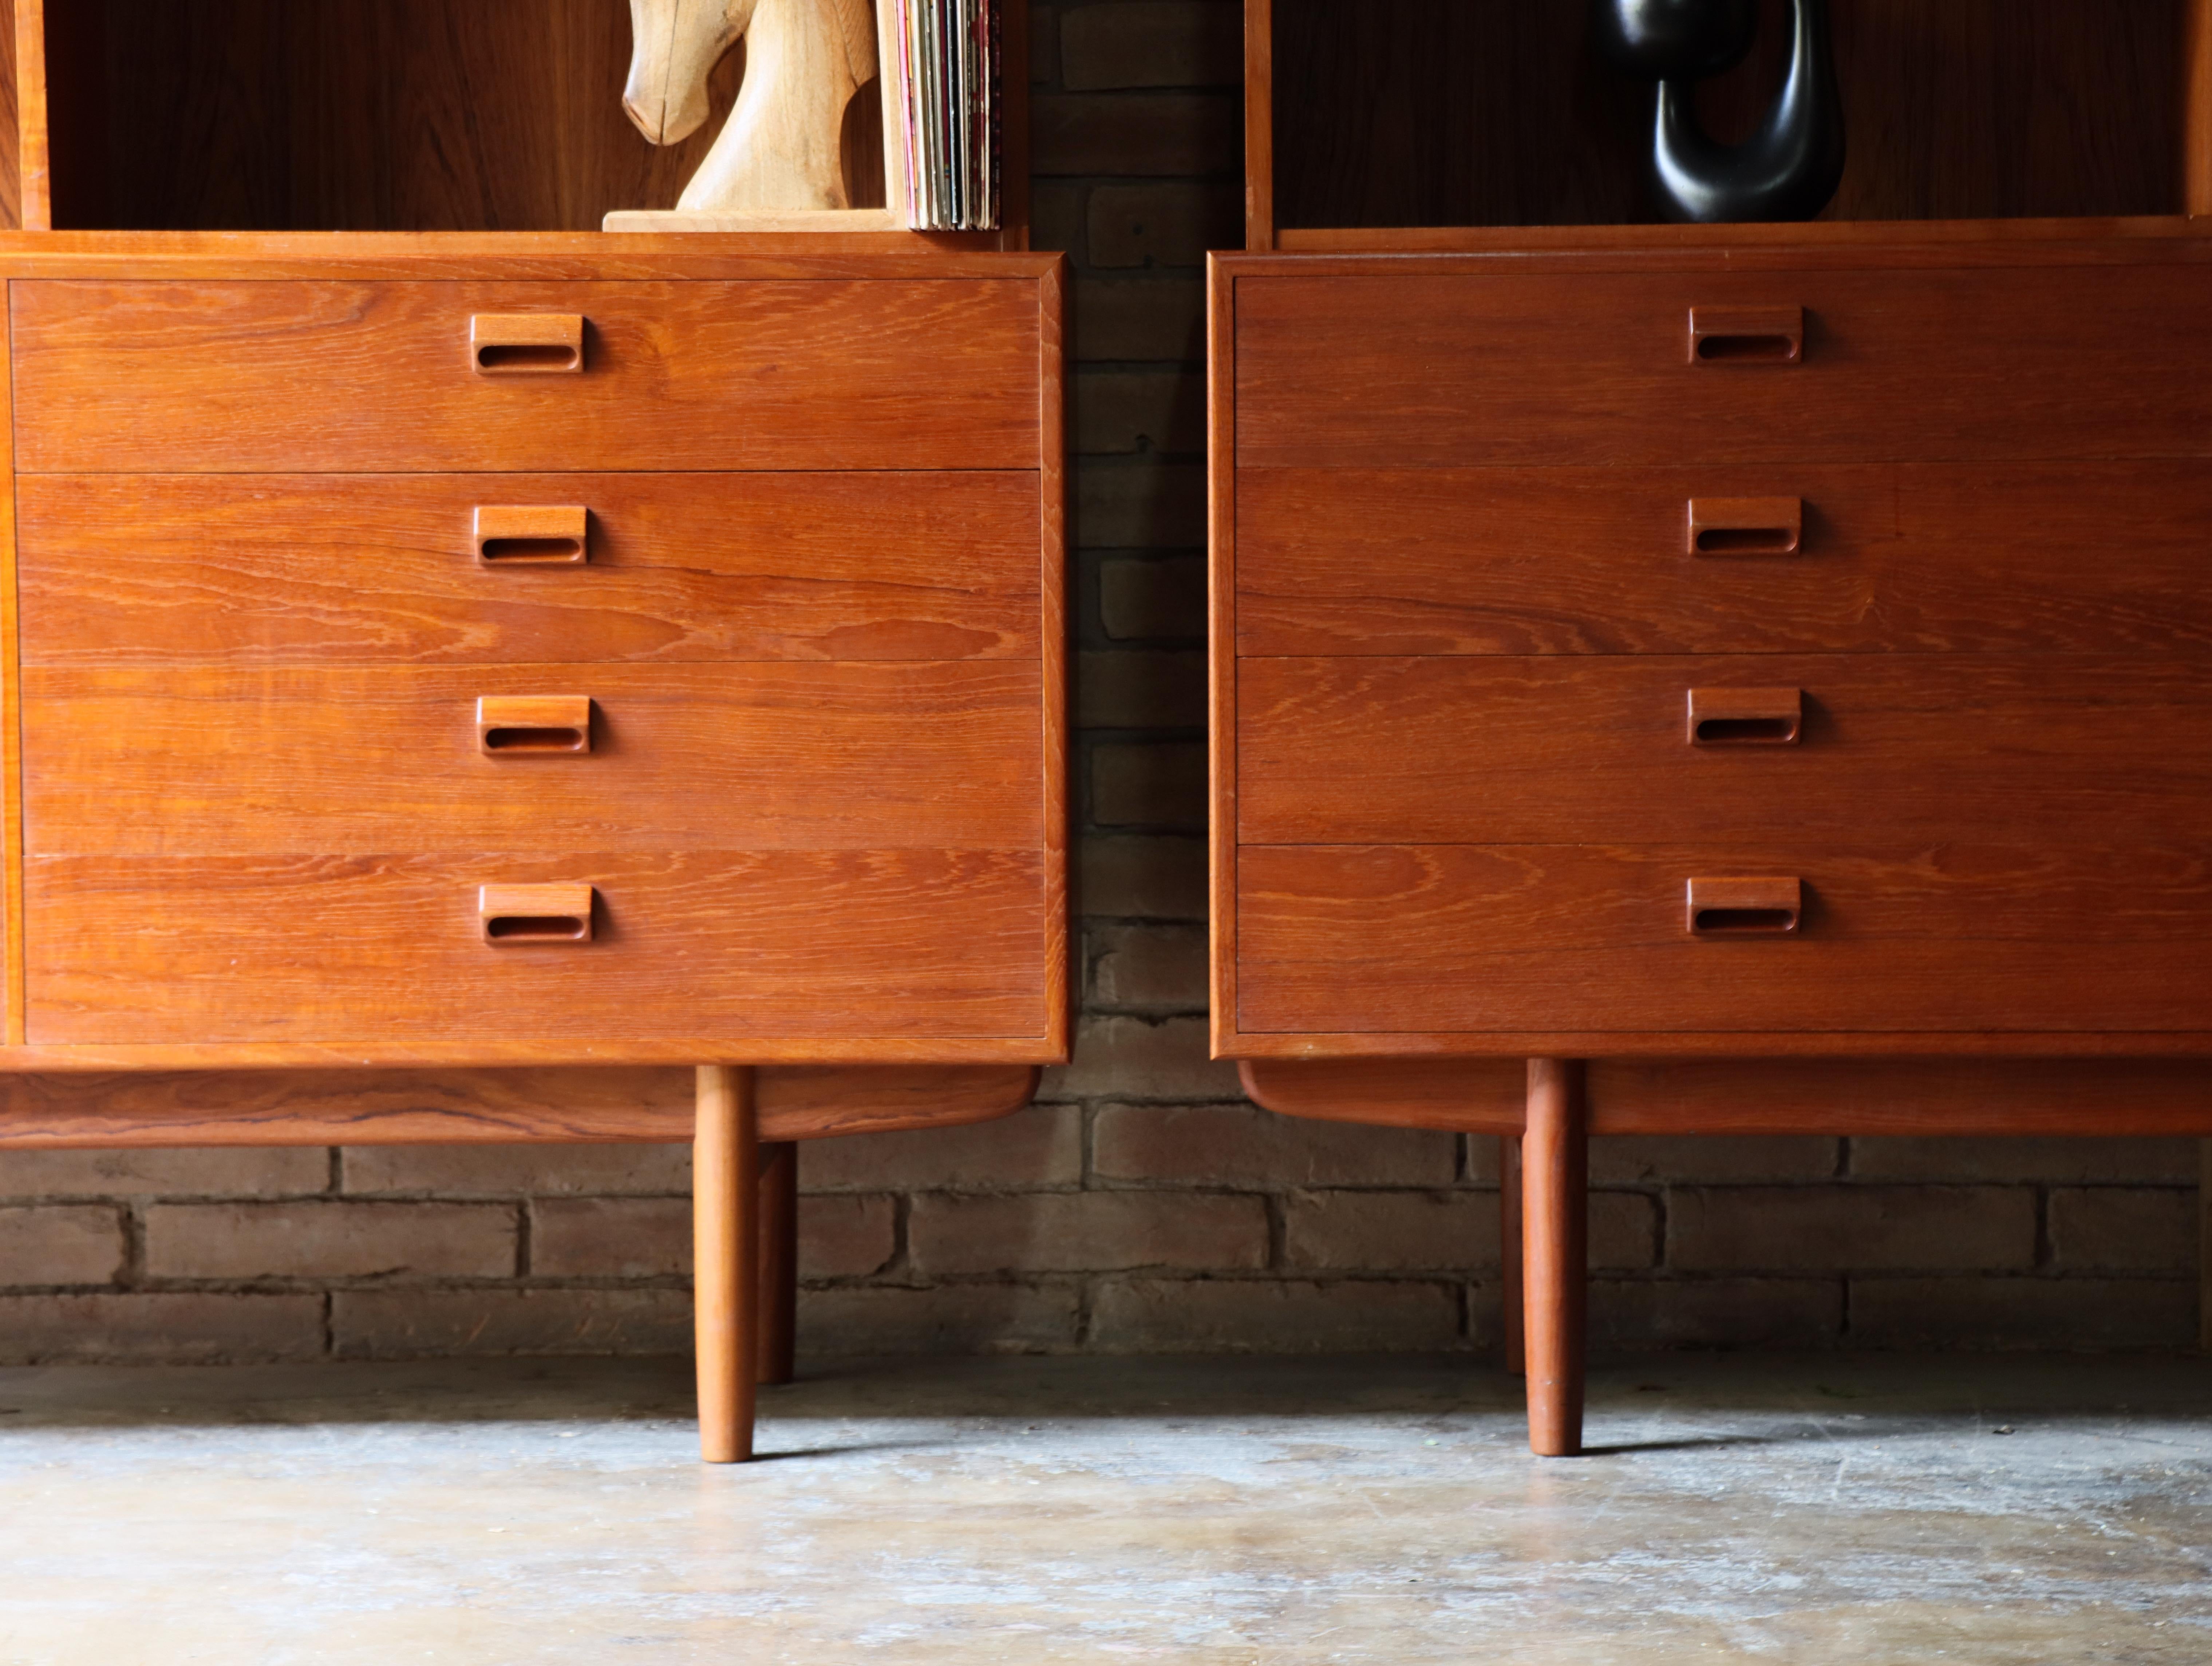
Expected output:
{"points": [[1391, 124], [379, 115]]}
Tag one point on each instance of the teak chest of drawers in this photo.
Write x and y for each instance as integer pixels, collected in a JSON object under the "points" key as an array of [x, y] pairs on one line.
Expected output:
{"points": [[1670, 663], [469, 652]]}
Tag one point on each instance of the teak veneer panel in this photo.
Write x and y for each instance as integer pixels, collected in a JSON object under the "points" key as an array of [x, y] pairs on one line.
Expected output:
{"points": [[1567, 749], [356, 377], [186, 760], [1408, 367], [844, 950], [1950, 937], [2096, 557], [292, 568], [647, 1104]]}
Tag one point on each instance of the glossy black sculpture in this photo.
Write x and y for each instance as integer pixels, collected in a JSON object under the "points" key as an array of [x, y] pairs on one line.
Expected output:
{"points": [[1789, 169]]}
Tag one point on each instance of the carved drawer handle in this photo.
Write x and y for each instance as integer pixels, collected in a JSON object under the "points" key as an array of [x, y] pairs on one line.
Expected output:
{"points": [[514, 535], [1746, 335], [1745, 908], [1747, 525], [514, 915], [534, 725], [526, 343], [1746, 717]]}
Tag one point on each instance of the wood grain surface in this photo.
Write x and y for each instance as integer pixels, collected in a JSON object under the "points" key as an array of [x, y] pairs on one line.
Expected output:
{"points": [[1946, 937], [2066, 749], [2100, 558], [835, 949], [1866, 1098], [215, 377], [1412, 368], [184, 760], [269, 569]]}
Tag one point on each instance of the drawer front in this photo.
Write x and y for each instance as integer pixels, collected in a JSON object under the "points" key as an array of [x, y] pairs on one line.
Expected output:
{"points": [[265, 377], [2092, 557], [2063, 749], [195, 761], [392, 949], [1957, 937], [260, 569], [1918, 365]]}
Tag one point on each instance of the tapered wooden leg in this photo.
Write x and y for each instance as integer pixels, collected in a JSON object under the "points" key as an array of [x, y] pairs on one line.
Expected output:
{"points": [[779, 1260], [1554, 1196], [726, 1260], [1509, 1250]]}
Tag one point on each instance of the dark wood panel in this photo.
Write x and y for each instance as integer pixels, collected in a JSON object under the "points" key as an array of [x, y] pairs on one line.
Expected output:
{"points": [[189, 761], [1857, 1097], [1941, 937], [123, 569], [649, 1103], [2093, 557], [833, 949], [1411, 368], [1570, 748], [355, 377], [1409, 113]]}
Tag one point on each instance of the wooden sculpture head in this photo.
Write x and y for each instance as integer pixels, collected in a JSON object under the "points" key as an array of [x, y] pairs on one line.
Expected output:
{"points": [[804, 61]]}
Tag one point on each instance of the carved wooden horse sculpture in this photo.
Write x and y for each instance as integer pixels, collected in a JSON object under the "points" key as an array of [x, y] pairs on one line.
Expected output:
{"points": [[804, 61]]}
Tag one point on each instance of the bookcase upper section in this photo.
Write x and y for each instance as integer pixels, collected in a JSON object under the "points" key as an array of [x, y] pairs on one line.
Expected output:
{"points": [[380, 115], [1388, 122]]}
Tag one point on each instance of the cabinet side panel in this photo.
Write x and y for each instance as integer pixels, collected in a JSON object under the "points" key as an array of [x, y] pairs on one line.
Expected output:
{"points": [[11, 719]]}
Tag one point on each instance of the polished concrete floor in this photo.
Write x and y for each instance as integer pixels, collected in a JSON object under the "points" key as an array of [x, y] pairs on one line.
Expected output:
{"points": [[1250, 1511]]}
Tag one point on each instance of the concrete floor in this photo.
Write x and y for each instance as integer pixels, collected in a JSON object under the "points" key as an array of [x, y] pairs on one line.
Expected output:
{"points": [[1254, 1510]]}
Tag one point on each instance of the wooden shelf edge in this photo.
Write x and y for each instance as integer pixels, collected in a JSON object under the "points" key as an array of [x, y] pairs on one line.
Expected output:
{"points": [[1476, 240]]}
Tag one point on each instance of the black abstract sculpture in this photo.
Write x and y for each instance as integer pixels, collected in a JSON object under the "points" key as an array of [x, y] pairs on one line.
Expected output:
{"points": [[1787, 170]]}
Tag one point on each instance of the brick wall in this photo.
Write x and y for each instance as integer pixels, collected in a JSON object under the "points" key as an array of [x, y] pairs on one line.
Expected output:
{"points": [[1141, 1205]]}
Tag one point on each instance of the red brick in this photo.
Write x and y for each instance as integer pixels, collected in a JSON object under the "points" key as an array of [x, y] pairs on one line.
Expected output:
{"points": [[1162, 227], [1141, 876], [61, 1244], [1741, 1313], [1120, 320], [953, 1318], [1788, 1228], [1242, 1146], [2023, 1312], [416, 1324], [1040, 1146], [135, 1328], [236, 1172], [1283, 1316], [1161, 969], [2078, 1161], [2135, 1229], [520, 1170], [1085, 1232], [1138, 503], [1444, 1232], [1128, 412], [346, 1240], [1152, 43], [1133, 133], [1130, 689], [1633, 1160], [1161, 785], [1140, 600], [1132, 1058], [846, 1236]]}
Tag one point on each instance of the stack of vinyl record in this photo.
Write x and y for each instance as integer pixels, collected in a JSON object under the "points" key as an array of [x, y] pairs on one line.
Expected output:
{"points": [[948, 72]]}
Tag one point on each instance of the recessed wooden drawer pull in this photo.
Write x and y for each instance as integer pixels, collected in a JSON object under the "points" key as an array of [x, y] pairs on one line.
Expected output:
{"points": [[518, 915], [1746, 717], [1744, 908], [1753, 335], [526, 343], [1745, 525], [519, 536], [534, 725]]}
